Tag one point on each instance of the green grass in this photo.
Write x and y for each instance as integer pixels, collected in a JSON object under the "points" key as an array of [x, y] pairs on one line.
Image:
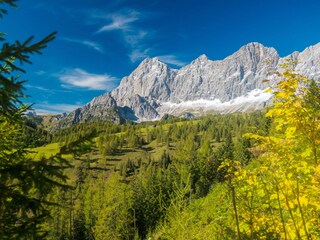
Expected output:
{"points": [[149, 151], [152, 150], [97, 162], [46, 151]]}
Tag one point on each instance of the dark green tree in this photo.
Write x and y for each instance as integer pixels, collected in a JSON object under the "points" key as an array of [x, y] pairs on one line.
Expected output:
{"points": [[24, 182]]}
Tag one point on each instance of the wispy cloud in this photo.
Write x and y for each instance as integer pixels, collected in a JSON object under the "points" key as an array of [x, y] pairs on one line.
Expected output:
{"points": [[127, 21], [87, 43], [40, 72], [50, 108], [49, 90], [171, 59], [120, 21], [38, 87], [78, 78], [134, 38], [138, 54]]}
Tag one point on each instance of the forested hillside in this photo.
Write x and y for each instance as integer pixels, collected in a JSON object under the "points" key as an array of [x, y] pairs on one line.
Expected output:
{"points": [[126, 179], [235, 176], [252, 175]]}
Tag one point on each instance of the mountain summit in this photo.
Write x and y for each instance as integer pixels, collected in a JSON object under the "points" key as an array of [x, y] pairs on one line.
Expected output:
{"points": [[232, 84]]}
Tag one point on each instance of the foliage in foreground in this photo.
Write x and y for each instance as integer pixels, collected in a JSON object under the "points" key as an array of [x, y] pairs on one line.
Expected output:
{"points": [[276, 196], [24, 181]]}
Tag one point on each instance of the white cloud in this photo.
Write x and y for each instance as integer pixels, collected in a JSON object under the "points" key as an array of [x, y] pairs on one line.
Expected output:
{"points": [[134, 38], [49, 90], [139, 49], [120, 21], [90, 44], [40, 72], [94, 45], [81, 79], [49, 108], [125, 21], [38, 87], [171, 59], [138, 54]]}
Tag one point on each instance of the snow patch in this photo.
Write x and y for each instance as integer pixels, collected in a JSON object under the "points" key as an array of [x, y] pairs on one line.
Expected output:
{"points": [[253, 100]]}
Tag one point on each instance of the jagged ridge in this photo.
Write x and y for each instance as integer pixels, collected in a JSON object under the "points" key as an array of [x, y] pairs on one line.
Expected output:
{"points": [[233, 84]]}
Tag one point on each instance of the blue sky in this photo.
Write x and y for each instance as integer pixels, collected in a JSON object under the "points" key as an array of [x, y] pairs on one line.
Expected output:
{"points": [[99, 41]]}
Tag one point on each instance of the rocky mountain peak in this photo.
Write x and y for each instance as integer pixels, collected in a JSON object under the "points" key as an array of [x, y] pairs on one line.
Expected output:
{"points": [[151, 62], [232, 84], [199, 62], [151, 79], [253, 46], [149, 65], [102, 99], [202, 58], [255, 51]]}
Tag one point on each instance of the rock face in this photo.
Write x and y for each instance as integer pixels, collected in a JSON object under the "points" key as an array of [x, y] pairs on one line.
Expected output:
{"points": [[236, 83], [308, 61], [103, 107], [152, 79], [225, 80]]}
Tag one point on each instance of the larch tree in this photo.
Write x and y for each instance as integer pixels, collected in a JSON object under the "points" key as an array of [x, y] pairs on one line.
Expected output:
{"points": [[278, 194]]}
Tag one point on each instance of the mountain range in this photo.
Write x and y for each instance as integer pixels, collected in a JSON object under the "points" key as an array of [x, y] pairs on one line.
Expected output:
{"points": [[235, 83]]}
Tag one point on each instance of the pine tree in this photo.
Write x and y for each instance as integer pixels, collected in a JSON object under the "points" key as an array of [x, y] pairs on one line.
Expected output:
{"points": [[24, 182]]}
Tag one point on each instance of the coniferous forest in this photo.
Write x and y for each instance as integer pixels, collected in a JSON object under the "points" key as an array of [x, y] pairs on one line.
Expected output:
{"points": [[239, 176]]}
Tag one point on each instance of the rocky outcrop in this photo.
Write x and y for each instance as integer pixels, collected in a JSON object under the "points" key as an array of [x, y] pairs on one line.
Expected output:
{"points": [[103, 107]]}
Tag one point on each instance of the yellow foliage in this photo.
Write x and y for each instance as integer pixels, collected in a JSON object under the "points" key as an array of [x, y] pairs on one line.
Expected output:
{"points": [[280, 196], [303, 201]]}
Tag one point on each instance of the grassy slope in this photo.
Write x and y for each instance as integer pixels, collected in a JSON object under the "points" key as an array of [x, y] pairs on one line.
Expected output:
{"points": [[152, 150], [46, 151]]}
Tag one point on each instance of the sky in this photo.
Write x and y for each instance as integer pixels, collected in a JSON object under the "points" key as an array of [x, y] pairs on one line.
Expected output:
{"points": [[99, 42]]}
